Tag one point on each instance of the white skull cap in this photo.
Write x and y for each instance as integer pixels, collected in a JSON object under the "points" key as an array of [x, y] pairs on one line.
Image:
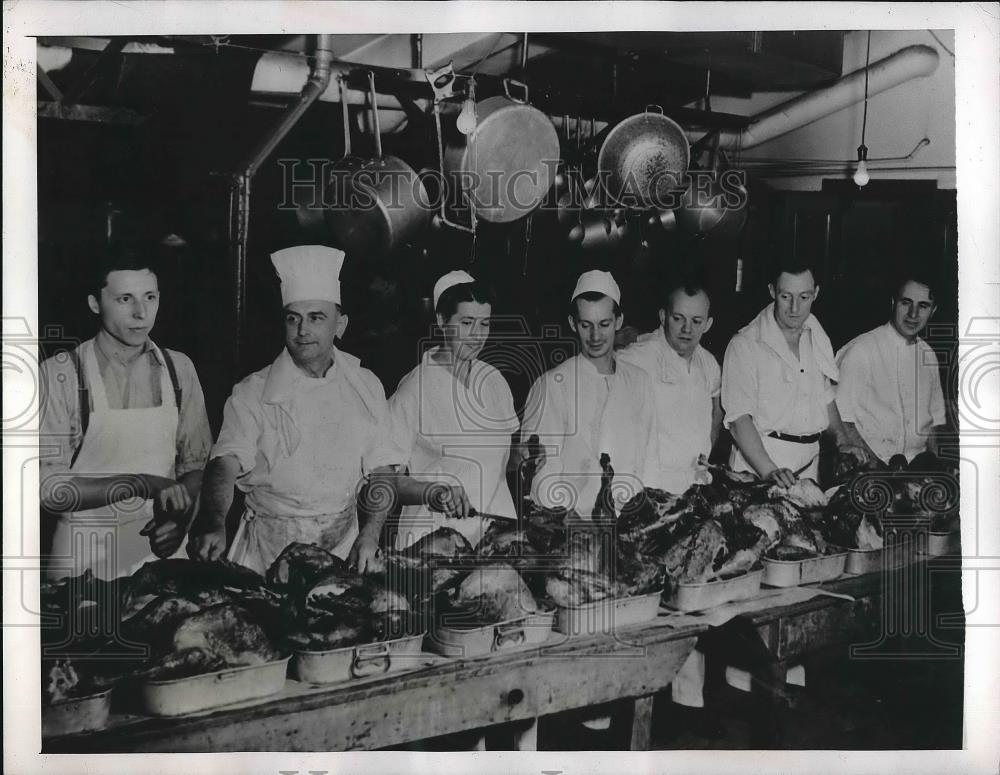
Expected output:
{"points": [[309, 272], [456, 277], [596, 281]]}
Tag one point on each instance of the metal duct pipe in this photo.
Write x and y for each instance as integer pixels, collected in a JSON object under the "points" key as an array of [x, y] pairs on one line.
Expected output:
{"points": [[239, 199], [906, 64]]}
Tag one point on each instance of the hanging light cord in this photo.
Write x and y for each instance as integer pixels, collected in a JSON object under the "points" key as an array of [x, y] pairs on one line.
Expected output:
{"points": [[864, 119]]}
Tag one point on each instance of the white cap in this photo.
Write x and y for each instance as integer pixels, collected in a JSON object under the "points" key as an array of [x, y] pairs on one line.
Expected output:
{"points": [[456, 277], [309, 272], [596, 281]]}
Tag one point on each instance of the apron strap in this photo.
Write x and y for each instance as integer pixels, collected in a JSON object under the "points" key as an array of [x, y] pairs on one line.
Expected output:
{"points": [[83, 401], [172, 370]]}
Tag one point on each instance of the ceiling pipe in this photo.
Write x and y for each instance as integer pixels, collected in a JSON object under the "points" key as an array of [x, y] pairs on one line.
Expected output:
{"points": [[906, 64], [239, 194]]}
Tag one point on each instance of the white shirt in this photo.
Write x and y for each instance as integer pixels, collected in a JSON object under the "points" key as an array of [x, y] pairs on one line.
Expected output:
{"points": [[578, 413], [683, 391], [761, 377], [457, 434], [891, 390], [304, 443]]}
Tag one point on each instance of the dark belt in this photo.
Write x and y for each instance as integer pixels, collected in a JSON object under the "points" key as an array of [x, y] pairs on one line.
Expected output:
{"points": [[812, 438]]}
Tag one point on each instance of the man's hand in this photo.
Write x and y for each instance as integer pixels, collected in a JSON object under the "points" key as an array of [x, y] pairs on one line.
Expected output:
{"points": [[208, 546], [862, 453], [449, 500], [173, 499], [172, 513], [365, 555], [165, 536], [783, 477]]}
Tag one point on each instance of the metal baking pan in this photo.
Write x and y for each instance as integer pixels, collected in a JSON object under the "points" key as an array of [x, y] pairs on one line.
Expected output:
{"points": [[199, 693], [608, 614], [942, 543], [792, 573], [78, 714], [361, 661], [697, 597], [889, 557], [529, 630]]}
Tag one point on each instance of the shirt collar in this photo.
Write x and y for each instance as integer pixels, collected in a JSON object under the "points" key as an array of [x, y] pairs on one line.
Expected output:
{"points": [[894, 337], [284, 374], [588, 368], [113, 350], [771, 333]]}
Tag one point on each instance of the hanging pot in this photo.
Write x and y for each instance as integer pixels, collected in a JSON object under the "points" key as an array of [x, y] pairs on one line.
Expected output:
{"points": [[643, 159], [382, 201], [595, 231], [507, 164], [718, 208]]}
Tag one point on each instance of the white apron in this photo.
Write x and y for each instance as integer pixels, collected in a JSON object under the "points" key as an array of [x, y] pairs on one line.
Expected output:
{"points": [[293, 508], [790, 455], [260, 538], [785, 454], [106, 539]]}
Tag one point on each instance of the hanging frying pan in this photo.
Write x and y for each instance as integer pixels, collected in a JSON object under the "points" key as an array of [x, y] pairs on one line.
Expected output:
{"points": [[385, 204]]}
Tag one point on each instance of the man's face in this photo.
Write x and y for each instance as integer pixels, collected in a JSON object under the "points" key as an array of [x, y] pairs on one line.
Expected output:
{"points": [[128, 305], [311, 328], [793, 296], [685, 320], [596, 325], [467, 330], [912, 309]]}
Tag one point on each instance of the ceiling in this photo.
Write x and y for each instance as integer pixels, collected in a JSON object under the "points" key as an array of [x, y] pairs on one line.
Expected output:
{"points": [[599, 74]]}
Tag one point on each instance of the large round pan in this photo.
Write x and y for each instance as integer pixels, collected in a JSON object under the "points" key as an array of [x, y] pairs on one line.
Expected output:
{"points": [[506, 166], [642, 161]]}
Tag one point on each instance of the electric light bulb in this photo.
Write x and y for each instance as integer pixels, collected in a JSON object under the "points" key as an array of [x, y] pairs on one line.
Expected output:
{"points": [[467, 118], [861, 176]]}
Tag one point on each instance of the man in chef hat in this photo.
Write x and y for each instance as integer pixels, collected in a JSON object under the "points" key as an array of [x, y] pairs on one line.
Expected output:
{"points": [[591, 404], [299, 436]]}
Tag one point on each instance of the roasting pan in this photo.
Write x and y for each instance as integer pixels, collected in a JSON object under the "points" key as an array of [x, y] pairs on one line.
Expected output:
{"points": [[361, 661], [178, 696]]}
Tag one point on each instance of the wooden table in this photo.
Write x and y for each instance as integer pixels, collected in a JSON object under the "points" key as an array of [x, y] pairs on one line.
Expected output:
{"points": [[455, 695], [465, 694]]}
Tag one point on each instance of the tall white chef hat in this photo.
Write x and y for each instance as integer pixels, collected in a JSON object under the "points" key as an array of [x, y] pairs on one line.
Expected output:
{"points": [[456, 277], [309, 272], [596, 281]]}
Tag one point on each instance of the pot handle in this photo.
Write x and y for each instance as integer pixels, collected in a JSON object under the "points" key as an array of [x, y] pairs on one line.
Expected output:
{"points": [[506, 87], [659, 109]]}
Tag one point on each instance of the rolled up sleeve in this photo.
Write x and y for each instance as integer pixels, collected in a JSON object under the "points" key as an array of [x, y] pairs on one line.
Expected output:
{"points": [[739, 381], [194, 436], [59, 431], [242, 426]]}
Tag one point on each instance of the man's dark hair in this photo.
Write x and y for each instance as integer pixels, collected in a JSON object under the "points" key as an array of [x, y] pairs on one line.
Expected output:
{"points": [[790, 264], [574, 311], [122, 256], [916, 274], [477, 291]]}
